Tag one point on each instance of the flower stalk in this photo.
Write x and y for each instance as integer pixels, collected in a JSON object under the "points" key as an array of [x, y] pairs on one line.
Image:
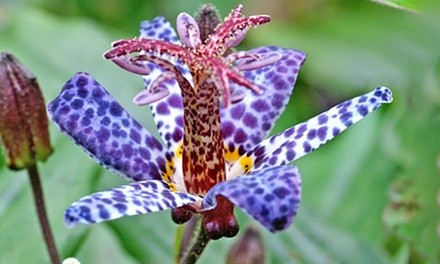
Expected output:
{"points": [[197, 244], [37, 191]]}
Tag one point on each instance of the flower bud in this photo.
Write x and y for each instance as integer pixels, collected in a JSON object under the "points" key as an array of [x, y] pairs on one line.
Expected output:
{"points": [[249, 249], [207, 18], [23, 119]]}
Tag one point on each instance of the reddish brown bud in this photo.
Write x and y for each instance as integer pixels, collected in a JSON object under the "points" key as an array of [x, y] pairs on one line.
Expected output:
{"points": [[249, 249], [207, 18], [23, 119]]}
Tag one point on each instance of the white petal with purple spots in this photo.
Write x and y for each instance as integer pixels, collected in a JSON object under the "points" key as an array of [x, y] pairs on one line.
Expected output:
{"points": [[270, 195], [134, 199], [249, 121], [93, 119], [167, 112], [305, 137]]}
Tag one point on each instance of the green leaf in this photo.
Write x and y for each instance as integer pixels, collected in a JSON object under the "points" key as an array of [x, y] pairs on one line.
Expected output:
{"points": [[54, 49], [407, 5], [413, 209]]}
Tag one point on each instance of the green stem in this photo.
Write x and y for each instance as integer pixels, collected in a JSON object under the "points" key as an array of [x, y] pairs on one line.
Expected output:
{"points": [[42, 215], [199, 242]]}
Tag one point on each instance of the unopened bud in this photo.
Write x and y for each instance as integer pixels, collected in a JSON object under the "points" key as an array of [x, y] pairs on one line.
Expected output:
{"points": [[249, 249], [207, 18], [23, 119]]}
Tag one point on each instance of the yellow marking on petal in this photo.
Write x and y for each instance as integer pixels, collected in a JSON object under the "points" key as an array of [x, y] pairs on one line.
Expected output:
{"points": [[179, 150], [231, 156], [246, 163], [167, 175], [173, 186]]}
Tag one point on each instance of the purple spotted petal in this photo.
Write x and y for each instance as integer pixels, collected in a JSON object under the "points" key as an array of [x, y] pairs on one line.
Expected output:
{"points": [[93, 119], [167, 112], [303, 138], [249, 121], [271, 195], [134, 199], [158, 28]]}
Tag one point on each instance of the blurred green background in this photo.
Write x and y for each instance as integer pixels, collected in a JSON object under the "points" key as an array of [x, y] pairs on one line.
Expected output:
{"points": [[371, 195]]}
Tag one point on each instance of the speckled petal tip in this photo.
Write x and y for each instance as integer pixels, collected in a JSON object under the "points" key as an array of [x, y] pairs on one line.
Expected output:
{"points": [[305, 137], [94, 120], [134, 199]]}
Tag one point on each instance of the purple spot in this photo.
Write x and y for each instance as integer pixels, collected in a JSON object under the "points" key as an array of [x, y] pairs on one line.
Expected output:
{"points": [[77, 104], [64, 110], [81, 81], [178, 120], [266, 126], [97, 92], [269, 197], [115, 109], [312, 134], [240, 136], [67, 86], [345, 117], [237, 111], [106, 200], [362, 110], [273, 160], [342, 110], [121, 207], [290, 155], [289, 132], [260, 105], [135, 136], [85, 121], [290, 62], [82, 92], [177, 135], [153, 143], [175, 101], [322, 118], [281, 192], [302, 129], [322, 133], [103, 213], [102, 135], [269, 75], [162, 108], [127, 150], [378, 93], [89, 113], [228, 129], [144, 153], [277, 101], [307, 147], [282, 69], [125, 122], [279, 223], [250, 120], [280, 84], [105, 121]]}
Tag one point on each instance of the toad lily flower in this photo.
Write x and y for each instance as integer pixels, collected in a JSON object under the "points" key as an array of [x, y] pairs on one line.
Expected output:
{"points": [[216, 156]]}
